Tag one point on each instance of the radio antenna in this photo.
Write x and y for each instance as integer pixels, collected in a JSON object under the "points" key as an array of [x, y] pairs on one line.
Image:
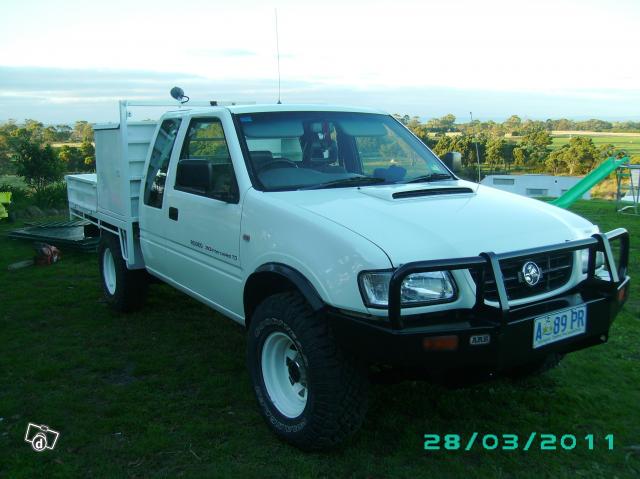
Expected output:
{"points": [[278, 55], [475, 138]]}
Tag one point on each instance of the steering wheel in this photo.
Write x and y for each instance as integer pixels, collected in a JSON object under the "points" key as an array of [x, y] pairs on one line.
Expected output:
{"points": [[272, 163]]}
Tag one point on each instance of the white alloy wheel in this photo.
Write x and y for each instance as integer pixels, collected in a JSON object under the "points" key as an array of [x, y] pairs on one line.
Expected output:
{"points": [[284, 374], [109, 271]]}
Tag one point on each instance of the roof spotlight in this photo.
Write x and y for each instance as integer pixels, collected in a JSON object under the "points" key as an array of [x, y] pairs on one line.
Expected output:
{"points": [[178, 94]]}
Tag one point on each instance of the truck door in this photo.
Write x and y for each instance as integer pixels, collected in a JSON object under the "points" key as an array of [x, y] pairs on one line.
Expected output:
{"points": [[153, 209], [202, 222]]}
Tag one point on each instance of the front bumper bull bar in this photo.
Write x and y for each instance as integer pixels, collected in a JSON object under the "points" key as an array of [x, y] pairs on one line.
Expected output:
{"points": [[489, 264], [401, 338]]}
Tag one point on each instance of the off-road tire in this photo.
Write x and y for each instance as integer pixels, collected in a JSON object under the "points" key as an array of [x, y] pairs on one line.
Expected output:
{"points": [[337, 385], [129, 289]]}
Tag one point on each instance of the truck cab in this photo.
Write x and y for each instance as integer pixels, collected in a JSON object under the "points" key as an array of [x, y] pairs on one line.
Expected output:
{"points": [[341, 243], [191, 210]]}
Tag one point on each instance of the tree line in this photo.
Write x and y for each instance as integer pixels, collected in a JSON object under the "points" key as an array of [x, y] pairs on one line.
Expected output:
{"points": [[42, 154], [514, 125], [513, 144]]}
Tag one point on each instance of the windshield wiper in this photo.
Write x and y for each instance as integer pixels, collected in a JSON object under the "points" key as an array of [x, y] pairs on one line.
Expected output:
{"points": [[429, 177], [352, 181]]}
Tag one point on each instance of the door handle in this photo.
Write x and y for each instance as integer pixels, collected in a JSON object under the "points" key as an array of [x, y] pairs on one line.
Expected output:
{"points": [[173, 213]]}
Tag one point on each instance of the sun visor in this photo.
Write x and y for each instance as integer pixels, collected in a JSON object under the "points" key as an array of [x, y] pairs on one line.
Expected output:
{"points": [[271, 128], [362, 127]]}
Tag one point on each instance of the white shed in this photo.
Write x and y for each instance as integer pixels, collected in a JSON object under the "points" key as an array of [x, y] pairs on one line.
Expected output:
{"points": [[534, 185]]}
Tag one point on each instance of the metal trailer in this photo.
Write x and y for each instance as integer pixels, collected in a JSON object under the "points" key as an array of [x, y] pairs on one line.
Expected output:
{"points": [[74, 234]]}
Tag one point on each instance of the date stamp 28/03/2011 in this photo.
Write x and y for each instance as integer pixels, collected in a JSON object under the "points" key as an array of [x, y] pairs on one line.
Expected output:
{"points": [[515, 442]]}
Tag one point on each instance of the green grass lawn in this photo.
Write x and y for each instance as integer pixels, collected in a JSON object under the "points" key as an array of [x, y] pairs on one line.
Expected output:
{"points": [[164, 393]]}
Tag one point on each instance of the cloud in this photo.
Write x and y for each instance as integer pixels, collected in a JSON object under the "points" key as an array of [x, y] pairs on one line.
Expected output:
{"points": [[221, 52], [54, 95], [32, 81]]}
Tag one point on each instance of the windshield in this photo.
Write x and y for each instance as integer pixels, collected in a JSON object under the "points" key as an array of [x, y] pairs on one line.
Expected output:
{"points": [[306, 150]]}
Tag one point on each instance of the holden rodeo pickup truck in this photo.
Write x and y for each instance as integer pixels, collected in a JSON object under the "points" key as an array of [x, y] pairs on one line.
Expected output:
{"points": [[343, 245]]}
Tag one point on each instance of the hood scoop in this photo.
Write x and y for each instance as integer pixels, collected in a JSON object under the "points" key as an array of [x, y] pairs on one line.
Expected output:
{"points": [[431, 192]]}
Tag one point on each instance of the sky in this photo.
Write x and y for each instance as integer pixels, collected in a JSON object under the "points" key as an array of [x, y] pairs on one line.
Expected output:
{"points": [[61, 61]]}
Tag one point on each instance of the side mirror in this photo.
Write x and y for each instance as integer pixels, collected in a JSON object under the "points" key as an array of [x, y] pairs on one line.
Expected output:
{"points": [[453, 160]]}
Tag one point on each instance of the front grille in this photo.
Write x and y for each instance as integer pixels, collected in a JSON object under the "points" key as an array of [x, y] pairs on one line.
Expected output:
{"points": [[556, 270]]}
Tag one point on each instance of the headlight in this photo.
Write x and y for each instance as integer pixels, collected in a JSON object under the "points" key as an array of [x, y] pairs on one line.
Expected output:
{"points": [[585, 260], [417, 289]]}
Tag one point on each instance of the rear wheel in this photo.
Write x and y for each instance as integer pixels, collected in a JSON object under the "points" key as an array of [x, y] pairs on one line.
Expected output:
{"points": [[311, 394], [124, 289]]}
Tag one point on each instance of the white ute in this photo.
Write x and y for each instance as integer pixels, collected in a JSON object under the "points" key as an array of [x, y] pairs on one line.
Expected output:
{"points": [[343, 245]]}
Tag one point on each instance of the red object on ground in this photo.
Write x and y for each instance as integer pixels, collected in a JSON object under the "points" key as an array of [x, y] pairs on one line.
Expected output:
{"points": [[46, 254]]}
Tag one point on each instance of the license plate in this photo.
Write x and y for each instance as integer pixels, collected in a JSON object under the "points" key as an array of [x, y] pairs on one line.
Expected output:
{"points": [[559, 325]]}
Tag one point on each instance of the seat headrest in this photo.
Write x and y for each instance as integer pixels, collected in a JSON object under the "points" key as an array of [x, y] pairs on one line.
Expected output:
{"points": [[261, 157], [318, 152], [194, 174]]}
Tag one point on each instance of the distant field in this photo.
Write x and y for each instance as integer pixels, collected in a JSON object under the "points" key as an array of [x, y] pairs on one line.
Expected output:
{"points": [[593, 133], [67, 143], [629, 143]]}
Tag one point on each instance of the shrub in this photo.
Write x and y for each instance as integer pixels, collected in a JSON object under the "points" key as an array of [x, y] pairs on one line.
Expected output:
{"points": [[53, 195], [36, 162]]}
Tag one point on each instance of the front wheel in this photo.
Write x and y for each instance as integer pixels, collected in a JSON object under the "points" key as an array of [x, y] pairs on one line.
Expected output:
{"points": [[310, 393], [124, 289]]}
